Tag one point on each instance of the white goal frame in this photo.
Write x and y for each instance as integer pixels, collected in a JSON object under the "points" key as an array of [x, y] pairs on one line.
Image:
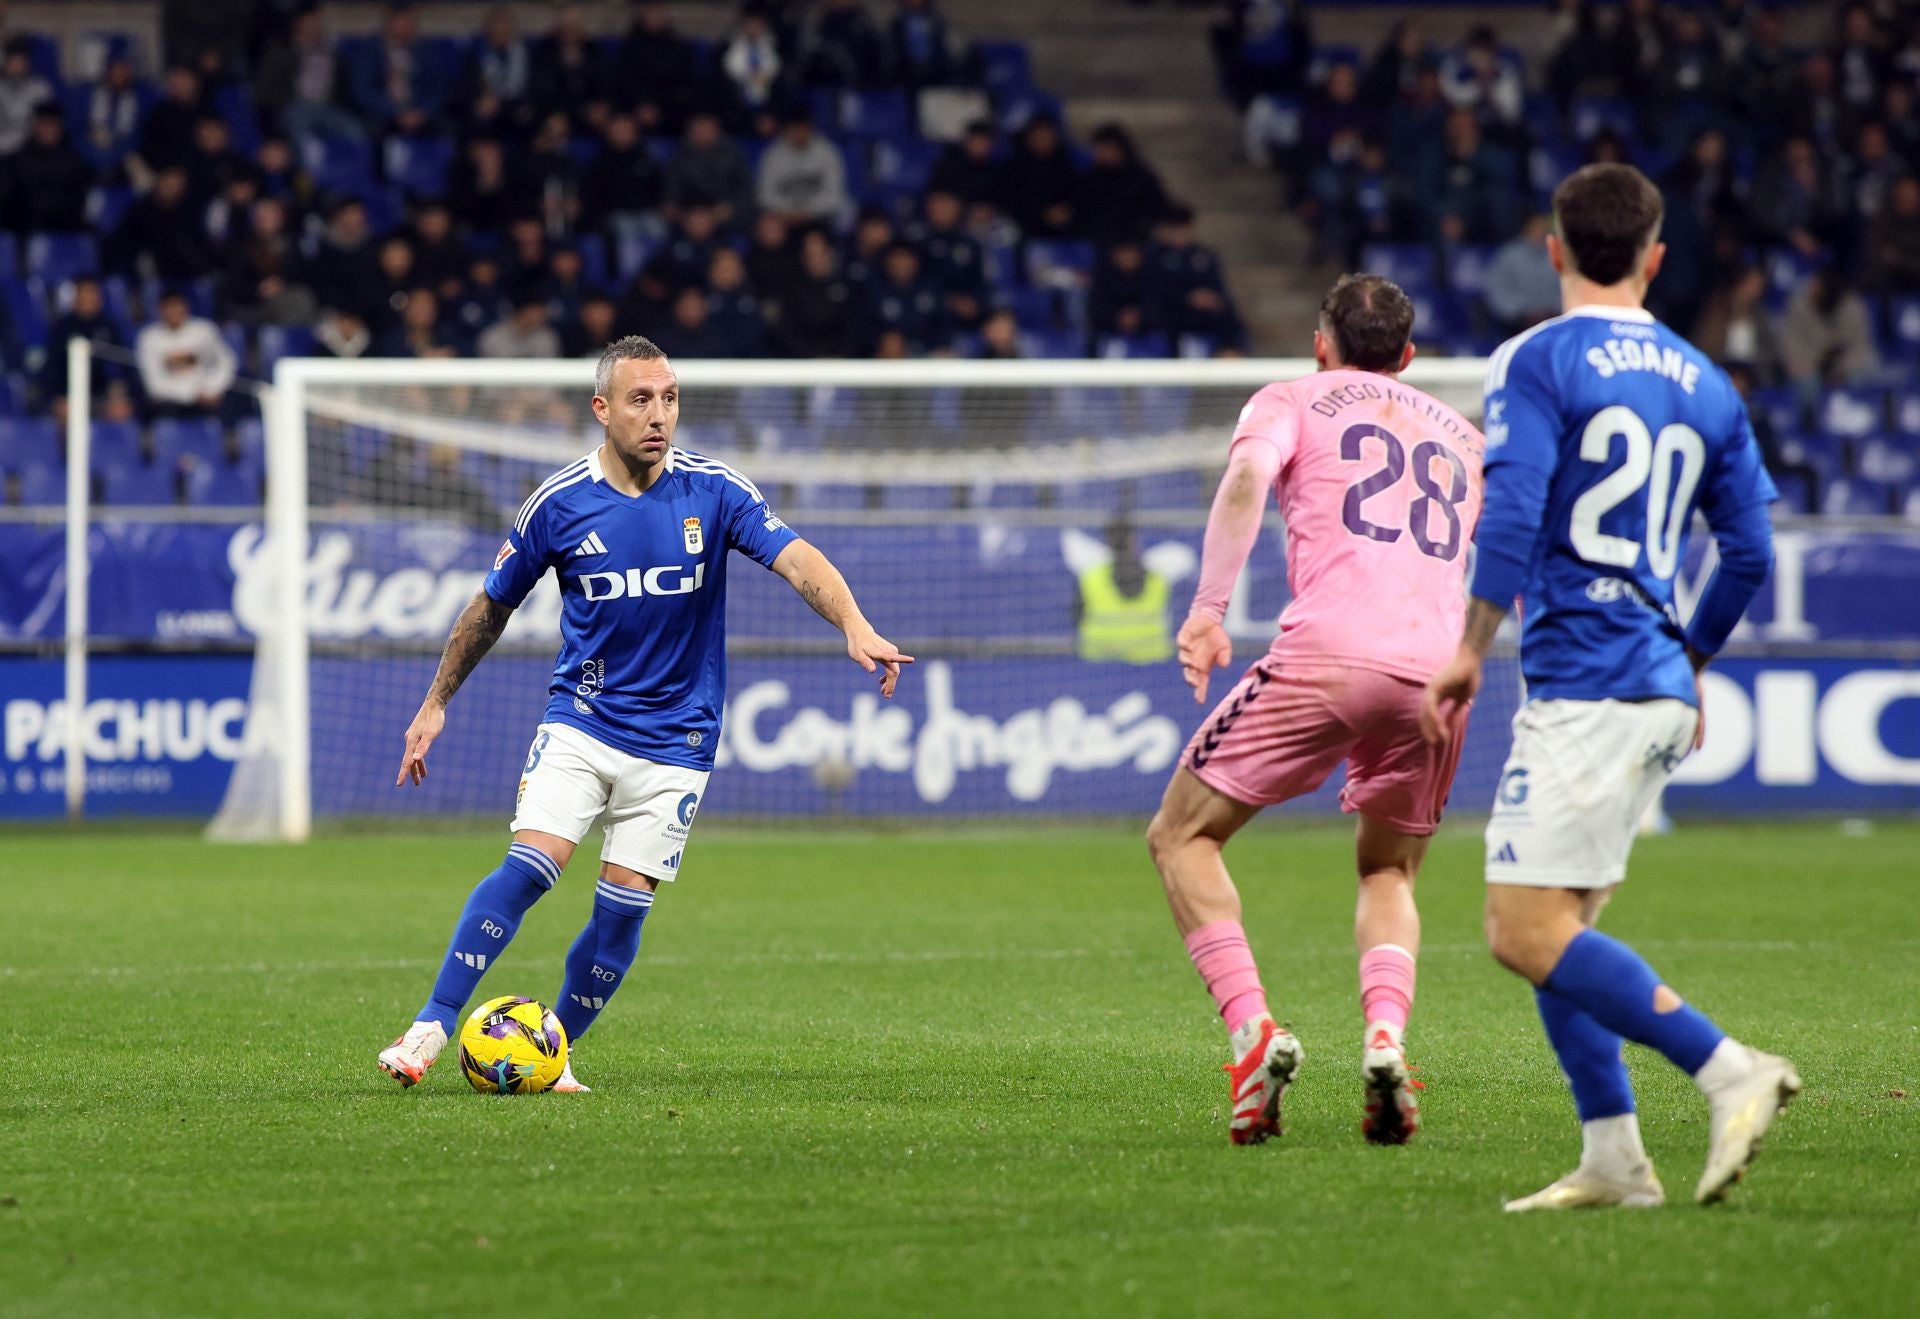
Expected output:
{"points": [[285, 645]]}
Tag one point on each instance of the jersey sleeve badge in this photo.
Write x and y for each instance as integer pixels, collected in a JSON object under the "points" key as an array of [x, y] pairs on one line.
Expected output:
{"points": [[507, 551], [691, 530]]}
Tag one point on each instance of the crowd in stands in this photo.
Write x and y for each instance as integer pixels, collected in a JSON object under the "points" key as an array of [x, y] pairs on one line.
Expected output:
{"points": [[1791, 176], [515, 194]]}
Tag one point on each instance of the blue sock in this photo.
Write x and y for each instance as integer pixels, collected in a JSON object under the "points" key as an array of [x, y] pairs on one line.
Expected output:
{"points": [[1614, 985], [1589, 1054], [487, 924], [601, 956]]}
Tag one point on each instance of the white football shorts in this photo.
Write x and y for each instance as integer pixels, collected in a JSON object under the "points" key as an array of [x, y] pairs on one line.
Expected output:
{"points": [[1579, 777], [571, 779]]}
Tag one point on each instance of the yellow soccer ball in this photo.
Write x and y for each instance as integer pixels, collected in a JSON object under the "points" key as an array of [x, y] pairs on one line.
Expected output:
{"points": [[512, 1046]]}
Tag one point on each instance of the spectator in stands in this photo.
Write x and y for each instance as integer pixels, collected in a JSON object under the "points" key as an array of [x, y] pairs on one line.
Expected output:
{"points": [[1736, 329], [498, 91], [953, 258], [737, 319], [1800, 201], [1762, 80], [297, 80], [658, 69], [1873, 169], [622, 189], [1891, 256], [689, 331], [802, 176], [480, 193], [341, 332], [160, 236], [1350, 197], [264, 282], [1391, 73], [1039, 183], [1477, 181], [1481, 78], [281, 175], [969, 168], [1119, 196], [906, 302], [567, 74], [418, 331], [1814, 108], [86, 318], [1523, 288], [919, 44], [1121, 300], [816, 315], [1783, 469], [866, 252], [843, 49], [399, 87], [999, 340], [212, 162], [1901, 121], [550, 176], [1826, 335], [394, 259], [1705, 181], [565, 286], [114, 112], [751, 60], [439, 256], [479, 302], [592, 330], [524, 262], [345, 265], [166, 137], [1585, 59], [772, 259], [523, 333], [1642, 40], [185, 366], [46, 181], [1194, 295], [21, 92], [1691, 79], [1860, 59], [683, 259], [710, 170], [1416, 127]]}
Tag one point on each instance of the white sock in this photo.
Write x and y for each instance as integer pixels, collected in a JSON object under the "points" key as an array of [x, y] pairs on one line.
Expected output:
{"points": [[1612, 1144], [1730, 1061], [1247, 1034]]}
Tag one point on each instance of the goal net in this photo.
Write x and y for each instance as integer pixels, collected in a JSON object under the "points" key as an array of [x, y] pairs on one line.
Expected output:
{"points": [[1031, 531]]}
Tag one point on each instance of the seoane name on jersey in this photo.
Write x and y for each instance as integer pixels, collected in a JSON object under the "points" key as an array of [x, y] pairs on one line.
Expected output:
{"points": [[643, 586], [1605, 432]]}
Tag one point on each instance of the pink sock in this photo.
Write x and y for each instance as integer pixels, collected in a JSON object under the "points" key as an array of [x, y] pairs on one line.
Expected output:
{"points": [[1386, 984], [1221, 956]]}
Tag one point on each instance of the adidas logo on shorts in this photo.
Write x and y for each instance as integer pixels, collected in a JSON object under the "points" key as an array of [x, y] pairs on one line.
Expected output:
{"points": [[1506, 855]]}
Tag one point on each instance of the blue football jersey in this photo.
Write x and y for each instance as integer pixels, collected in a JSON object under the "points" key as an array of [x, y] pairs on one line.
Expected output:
{"points": [[643, 586], [1628, 428]]}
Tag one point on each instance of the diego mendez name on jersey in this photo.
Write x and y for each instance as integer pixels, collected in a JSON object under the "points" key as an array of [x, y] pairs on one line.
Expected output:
{"points": [[643, 585], [1605, 431]]}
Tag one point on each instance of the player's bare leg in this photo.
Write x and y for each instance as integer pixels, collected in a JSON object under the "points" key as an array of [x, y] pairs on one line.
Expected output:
{"points": [[1185, 838], [1386, 931], [534, 861], [1533, 932]]}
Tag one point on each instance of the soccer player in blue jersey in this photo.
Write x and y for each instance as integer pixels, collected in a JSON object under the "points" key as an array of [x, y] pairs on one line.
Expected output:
{"points": [[638, 532], [1605, 432]]}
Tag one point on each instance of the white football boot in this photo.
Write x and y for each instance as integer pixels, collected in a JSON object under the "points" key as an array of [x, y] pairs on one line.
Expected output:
{"points": [[1742, 1111], [1259, 1082], [569, 1084], [406, 1060], [1590, 1188], [1392, 1113]]}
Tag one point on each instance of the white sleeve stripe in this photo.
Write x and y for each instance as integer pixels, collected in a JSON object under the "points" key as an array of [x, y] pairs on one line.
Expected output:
{"points": [[558, 481], [697, 462], [1502, 359]]}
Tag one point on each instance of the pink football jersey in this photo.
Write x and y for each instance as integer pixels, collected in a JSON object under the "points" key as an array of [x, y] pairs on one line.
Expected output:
{"points": [[1380, 486]]}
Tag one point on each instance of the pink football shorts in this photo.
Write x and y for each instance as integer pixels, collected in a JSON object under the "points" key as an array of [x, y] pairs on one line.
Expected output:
{"points": [[1284, 728]]}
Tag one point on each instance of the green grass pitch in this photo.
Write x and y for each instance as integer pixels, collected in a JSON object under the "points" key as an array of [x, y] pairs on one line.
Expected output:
{"points": [[868, 1073]]}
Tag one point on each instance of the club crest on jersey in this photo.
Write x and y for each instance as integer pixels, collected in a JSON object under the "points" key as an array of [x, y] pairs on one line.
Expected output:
{"points": [[695, 541], [507, 551]]}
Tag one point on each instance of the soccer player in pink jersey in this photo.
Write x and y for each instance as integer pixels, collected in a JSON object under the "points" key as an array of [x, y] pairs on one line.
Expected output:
{"points": [[1380, 487]]}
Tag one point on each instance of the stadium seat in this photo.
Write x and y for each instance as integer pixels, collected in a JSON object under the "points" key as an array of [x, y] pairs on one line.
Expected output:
{"points": [[1797, 492], [143, 484], [930, 498], [1903, 327], [56, 258], [278, 341], [1856, 497], [200, 438], [338, 164], [1059, 262], [1466, 268], [1410, 265], [27, 441], [225, 485], [1906, 413], [1006, 70], [1853, 413], [9, 253], [43, 483], [114, 444], [250, 440], [418, 165], [832, 498], [1172, 490], [1888, 459], [1589, 116], [1011, 496]]}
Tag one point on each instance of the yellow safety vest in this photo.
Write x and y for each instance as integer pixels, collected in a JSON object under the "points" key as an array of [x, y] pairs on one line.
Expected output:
{"points": [[1113, 626]]}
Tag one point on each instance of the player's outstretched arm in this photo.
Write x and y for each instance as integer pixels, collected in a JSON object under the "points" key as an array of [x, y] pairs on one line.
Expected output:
{"points": [[474, 632], [819, 583]]}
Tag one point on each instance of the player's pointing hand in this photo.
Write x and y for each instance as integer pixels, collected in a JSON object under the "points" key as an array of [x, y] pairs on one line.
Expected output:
{"points": [[1203, 646], [420, 734], [876, 654]]}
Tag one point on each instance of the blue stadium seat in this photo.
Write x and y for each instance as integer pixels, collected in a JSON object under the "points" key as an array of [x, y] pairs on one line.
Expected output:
{"points": [[1410, 265], [1106, 496], [1172, 490], [1031, 308], [1589, 116], [767, 406], [1051, 344], [24, 304], [225, 485], [1059, 262], [199, 438], [233, 101], [9, 253], [27, 441], [57, 258], [832, 498], [884, 112], [419, 165], [1327, 56], [13, 394], [901, 167], [250, 440], [147, 483], [931, 498], [1023, 104], [1006, 69], [1797, 492], [278, 341], [1906, 413], [43, 483], [114, 444], [1853, 414], [1153, 344], [593, 260], [1467, 265], [1857, 498], [1012, 496], [1903, 327], [1888, 459], [43, 54], [1162, 409], [1786, 268], [338, 164]]}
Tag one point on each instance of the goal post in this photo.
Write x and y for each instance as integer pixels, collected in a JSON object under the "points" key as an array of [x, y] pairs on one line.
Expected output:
{"points": [[969, 502]]}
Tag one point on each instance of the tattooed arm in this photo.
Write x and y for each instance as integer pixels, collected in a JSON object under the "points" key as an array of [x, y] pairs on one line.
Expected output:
{"points": [[474, 632], [819, 583], [1455, 686]]}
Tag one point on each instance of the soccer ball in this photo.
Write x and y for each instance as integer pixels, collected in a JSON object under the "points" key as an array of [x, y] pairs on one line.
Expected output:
{"points": [[512, 1046]]}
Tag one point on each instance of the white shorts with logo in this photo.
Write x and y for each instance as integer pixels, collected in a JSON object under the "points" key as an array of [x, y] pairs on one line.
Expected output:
{"points": [[571, 779], [1579, 777]]}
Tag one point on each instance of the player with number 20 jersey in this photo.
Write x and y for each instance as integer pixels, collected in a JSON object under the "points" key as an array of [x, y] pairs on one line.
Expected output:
{"points": [[1380, 487]]}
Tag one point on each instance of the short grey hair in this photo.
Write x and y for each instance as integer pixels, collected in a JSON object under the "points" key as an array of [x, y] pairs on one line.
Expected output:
{"points": [[630, 348]]}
